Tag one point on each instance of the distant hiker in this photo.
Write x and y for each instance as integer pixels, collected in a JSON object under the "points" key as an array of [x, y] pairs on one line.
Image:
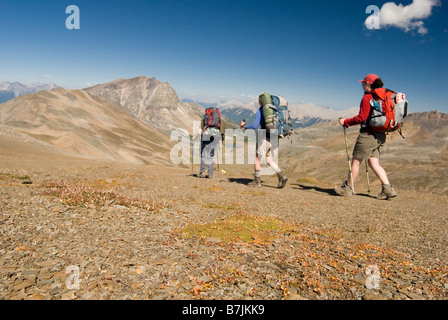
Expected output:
{"points": [[263, 147], [212, 132], [368, 144]]}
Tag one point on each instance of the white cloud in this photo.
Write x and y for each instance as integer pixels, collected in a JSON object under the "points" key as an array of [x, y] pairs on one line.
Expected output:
{"points": [[46, 76], [408, 17]]}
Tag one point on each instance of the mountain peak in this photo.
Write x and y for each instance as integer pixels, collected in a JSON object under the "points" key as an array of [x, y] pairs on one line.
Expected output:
{"points": [[150, 100]]}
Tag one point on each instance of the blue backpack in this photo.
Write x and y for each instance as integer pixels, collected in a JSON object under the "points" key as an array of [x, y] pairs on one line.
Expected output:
{"points": [[281, 118]]}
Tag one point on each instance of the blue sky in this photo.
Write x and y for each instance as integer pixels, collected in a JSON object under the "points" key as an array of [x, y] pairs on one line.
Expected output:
{"points": [[307, 51]]}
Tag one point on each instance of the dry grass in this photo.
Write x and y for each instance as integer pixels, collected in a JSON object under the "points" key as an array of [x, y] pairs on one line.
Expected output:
{"points": [[79, 194]]}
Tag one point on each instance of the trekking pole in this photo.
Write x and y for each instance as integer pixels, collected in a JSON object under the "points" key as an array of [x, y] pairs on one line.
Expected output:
{"points": [[192, 154], [217, 151], [348, 158], [367, 175]]}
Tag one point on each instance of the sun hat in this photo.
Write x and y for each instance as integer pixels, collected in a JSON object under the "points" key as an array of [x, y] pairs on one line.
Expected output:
{"points": [[370, 78]]}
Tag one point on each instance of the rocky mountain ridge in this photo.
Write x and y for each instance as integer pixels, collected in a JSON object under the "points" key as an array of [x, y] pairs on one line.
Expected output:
{"points": [[124, 120], [152, 101], [86, 126]]}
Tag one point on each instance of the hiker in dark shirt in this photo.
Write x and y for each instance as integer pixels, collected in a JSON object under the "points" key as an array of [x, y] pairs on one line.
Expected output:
{"points": [[368, 144], [210, 139], [263, 148]]}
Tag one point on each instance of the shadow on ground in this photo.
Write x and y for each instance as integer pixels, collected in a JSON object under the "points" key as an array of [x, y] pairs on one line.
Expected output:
{"points": [[244, 181]]}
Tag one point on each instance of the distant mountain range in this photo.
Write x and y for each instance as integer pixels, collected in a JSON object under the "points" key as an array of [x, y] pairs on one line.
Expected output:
{"points": [[302, 115], [11, 90], [126, 120], [148, 99], [154, 101]]}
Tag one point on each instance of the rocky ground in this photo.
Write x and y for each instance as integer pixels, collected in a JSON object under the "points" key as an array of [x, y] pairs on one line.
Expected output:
{"points": [[87, 230]]}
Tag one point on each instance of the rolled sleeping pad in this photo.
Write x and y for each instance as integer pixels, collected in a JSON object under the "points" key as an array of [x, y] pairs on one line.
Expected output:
{"points": [[265, 98]]}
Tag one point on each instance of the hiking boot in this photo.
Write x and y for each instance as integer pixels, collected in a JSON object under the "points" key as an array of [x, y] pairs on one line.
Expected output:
{"points": [[281, 180], [202, 175], [345, 190], [387, 192], [255, 183]]}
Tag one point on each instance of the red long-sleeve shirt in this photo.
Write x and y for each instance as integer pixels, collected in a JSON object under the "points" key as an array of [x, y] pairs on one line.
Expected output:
{"points": [[364, 112]]}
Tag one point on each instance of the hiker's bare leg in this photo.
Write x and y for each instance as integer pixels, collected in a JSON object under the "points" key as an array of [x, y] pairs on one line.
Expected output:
{"points": [[374, 163], [355, 170], [271, 162], [257, 164]]}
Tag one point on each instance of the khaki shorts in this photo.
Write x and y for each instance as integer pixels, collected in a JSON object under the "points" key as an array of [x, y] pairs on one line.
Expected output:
{"points": [[369, 145], [264, 149]]}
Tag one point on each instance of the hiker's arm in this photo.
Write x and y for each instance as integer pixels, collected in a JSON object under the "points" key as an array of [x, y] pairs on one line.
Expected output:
{"points": [[256, 122], [199, 132], [364, 112]]}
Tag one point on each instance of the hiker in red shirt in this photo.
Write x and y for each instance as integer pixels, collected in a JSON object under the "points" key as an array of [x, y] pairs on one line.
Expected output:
{"points": [[368, 144]]}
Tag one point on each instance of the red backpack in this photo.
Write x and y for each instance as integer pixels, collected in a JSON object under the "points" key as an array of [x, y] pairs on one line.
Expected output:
{"points": [[212, 118], [389, 108]]}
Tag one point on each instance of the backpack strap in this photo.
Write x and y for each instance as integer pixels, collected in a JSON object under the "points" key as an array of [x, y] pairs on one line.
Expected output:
{"points": [[366, 124]]}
